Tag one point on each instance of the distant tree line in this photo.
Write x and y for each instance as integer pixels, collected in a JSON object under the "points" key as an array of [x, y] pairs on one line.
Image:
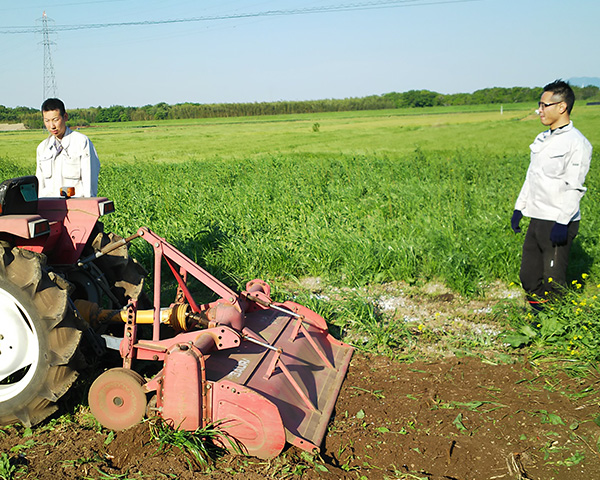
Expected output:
{"points": [[16, 115], [411, 99]]}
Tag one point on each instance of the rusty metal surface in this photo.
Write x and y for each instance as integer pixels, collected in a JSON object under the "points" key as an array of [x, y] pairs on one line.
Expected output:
{"points": [[117, 398], [306, 400], [249, 418]]}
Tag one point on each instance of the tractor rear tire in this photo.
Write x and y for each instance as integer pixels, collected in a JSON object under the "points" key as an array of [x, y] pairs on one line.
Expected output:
{"points": [[122, 272], [110, 280], [38, 338]]}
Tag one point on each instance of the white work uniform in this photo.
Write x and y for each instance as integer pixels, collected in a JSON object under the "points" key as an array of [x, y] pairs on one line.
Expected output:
{"points": [[76, 164], [553, 187]]}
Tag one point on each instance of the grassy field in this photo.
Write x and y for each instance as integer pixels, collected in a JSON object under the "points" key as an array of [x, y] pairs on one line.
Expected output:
{"points": [[394, 131], [357, 197], [353, 198]]}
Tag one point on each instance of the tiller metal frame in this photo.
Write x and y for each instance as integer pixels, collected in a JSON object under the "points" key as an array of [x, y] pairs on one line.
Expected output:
{"points": [[268, 373]]}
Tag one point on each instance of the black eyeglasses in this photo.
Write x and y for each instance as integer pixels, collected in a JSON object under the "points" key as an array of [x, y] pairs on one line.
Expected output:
{"points": [[545, 105]]}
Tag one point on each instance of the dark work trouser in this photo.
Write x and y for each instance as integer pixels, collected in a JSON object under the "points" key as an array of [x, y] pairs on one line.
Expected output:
{"points": [[544, 265]]}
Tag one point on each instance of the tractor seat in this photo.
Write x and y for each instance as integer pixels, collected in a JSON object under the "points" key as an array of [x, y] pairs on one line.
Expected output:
{"points": [[19, 196]]}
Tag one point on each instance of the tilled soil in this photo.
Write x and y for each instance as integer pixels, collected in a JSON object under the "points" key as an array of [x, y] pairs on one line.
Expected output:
{"points": [[454, 418]]}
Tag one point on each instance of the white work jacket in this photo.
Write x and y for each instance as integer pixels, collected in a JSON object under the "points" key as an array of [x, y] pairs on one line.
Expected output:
{"points": [[76, 165], [553, 186]]}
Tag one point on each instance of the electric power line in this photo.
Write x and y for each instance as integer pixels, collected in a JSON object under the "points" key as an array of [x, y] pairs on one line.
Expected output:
{"points": [[268, 13]]}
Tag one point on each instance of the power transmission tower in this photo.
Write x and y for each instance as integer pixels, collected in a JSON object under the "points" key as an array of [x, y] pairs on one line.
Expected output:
{"points": [[50, 90]]}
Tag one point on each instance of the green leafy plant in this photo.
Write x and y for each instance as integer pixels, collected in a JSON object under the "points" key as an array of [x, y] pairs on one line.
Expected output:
{"points": [[7, 469], [202, 447], [568, 326]]}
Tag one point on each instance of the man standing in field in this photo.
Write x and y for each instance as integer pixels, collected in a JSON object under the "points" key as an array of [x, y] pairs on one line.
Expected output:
{"points": [[66, 158], [550, 196]]}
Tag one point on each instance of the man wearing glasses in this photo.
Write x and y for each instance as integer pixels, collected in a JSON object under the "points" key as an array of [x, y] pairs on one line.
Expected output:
{"points": [[550, 196]]}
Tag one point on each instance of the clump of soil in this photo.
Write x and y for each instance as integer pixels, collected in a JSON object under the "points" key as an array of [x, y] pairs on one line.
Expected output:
{"points": [[457, 418]]}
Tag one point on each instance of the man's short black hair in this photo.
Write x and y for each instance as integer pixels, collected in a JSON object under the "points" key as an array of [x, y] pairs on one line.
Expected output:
{"points": [[54, 104], [561, 91]]}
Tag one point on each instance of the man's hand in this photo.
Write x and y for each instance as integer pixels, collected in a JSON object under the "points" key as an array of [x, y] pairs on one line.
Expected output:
{"points": [[514, 221], [559, 233]]}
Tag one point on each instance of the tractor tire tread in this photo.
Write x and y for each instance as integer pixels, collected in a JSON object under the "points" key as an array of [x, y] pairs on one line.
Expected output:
{"points": [[46, 301]]}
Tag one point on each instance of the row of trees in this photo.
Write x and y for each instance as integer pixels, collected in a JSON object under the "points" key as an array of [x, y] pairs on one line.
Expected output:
{"points": [[15, 115], [411, 99], [486, 96]]}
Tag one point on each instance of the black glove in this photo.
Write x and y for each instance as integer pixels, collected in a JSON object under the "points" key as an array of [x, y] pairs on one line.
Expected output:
{"points": [[558, 235], [514, 221]]}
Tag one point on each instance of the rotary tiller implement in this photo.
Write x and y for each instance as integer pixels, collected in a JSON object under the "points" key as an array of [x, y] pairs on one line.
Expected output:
{"points": [[268, 373]]}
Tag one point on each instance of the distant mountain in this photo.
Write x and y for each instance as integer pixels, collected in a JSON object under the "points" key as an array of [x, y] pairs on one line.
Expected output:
{"points": [[584, 81]]}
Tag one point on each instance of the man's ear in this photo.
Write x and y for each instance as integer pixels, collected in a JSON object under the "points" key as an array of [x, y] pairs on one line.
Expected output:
{"points": [[66, 117], [563, 108]]}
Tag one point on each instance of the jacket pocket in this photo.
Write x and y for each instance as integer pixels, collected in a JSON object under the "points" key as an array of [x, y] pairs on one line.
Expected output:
{"points": [[72, 168], [555, 162], [46, 166]]}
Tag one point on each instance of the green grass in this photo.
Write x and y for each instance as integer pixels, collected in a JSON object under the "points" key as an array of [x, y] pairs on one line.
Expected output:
{"points": [[385, 131], [371, 197], [7, 469], [352, 219], [201, 447]]}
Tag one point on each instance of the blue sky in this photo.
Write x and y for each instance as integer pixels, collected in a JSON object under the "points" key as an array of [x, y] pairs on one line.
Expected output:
{"points": [[447, 46]]}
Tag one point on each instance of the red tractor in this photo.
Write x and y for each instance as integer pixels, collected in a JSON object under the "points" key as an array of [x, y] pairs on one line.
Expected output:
{"points": [[268, 373]]}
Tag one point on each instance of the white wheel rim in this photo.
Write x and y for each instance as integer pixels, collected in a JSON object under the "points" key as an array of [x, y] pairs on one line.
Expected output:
{"points": [[19, 346]]}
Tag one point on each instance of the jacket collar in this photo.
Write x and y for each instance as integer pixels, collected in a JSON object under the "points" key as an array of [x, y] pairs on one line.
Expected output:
{"points": [[65, 141], [564, 128]]}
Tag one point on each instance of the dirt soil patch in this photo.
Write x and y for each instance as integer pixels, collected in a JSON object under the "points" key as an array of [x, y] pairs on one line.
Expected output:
{"points": [[9, 127], [458, 418], [448, 415]]}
